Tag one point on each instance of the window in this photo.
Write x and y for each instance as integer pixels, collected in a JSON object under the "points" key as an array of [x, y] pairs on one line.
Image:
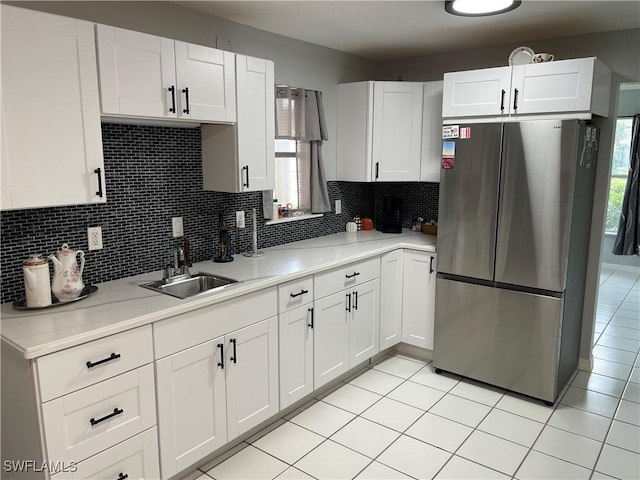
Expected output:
{"points": [[619, 172], [293, 175]]}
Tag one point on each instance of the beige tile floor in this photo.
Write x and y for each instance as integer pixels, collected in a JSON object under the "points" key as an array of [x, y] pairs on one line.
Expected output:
{"points": [[398, 419]]}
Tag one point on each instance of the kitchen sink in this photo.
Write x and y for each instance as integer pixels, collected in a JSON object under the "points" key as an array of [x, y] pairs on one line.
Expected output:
{"points": [[183, 286]]}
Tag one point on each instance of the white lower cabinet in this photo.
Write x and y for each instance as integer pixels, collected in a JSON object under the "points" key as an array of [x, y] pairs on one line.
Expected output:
{"points": [[133, 459], [390, 299], [191, 405], [346, 327], [296, 333], [418, 298]]}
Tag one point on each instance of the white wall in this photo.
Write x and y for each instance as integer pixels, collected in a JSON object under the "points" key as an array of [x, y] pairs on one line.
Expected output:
{"points": [[297, 63]]}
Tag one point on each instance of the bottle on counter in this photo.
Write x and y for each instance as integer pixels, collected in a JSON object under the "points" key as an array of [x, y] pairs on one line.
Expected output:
{"points": [[275, 213]]}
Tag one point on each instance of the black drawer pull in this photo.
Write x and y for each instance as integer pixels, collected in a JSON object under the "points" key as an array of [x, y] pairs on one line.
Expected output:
{"points": [[311, 324], [502, 100], [185, 90], [116, 411], [98, 171], [355, 300], [172, 89], [349, 302], [515, 99], [113, 356], [122, 476], [431, 265], [354, 274], [221, 362], [234, 359], [302, 292]]}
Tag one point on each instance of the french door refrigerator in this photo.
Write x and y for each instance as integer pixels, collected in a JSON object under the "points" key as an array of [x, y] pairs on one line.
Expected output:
{"points": [[513, 238]]}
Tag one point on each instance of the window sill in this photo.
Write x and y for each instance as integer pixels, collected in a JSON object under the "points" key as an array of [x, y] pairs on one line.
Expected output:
{"points": [[293, 219]]}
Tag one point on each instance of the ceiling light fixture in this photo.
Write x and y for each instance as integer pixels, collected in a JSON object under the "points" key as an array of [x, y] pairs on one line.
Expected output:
{"points": [[480, 8]]}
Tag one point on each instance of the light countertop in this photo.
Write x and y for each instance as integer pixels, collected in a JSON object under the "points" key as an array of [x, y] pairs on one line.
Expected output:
{"points": [[122, 304]]}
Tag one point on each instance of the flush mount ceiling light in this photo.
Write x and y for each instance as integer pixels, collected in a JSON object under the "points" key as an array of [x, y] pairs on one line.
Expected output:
{"points": [[480, 8]]}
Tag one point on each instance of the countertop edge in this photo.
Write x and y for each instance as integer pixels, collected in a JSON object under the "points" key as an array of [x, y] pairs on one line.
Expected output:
{"points": [[200, 302]]}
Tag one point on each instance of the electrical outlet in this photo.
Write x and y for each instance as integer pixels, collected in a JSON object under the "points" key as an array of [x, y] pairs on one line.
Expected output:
{"points": [[240, 219], [176, 223], [338, 207], [94, 235]]}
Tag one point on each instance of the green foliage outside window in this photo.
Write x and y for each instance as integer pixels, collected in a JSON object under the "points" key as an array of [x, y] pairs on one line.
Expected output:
{"points": [[619, 171]]}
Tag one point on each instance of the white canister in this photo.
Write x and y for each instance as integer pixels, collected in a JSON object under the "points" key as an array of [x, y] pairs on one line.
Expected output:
{"points": [[36, 281]]}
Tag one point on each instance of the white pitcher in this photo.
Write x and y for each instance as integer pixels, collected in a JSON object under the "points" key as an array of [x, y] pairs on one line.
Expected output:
{"points": [[36, 281], [67, 276]]}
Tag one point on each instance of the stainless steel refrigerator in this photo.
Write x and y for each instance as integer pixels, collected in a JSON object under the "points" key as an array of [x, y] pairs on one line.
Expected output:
{"points": [[513, 238]]}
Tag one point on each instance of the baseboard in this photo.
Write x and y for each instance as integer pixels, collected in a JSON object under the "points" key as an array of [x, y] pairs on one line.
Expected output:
{"points": [[621, 268], [585, 364], [412, 351]]}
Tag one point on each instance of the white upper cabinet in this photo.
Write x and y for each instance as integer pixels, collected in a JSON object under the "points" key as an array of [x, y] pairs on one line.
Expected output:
{"points": [[579, 87], [379, 131], [241, 157], [51, 137], [145, 75], [431, 133], [477, 92]]}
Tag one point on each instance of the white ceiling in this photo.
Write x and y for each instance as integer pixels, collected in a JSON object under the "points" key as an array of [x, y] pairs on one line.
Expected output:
{"points": [[387, 30]]}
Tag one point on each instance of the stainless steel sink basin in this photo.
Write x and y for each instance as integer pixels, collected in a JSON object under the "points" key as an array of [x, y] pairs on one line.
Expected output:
{"points": [[184, 286]]}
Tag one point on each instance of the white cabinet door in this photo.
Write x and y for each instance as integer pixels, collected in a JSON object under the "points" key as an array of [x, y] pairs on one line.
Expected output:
{"points": [[241, 157], [252, 376], [563, 86], [431, 132], [477, 92], [192, 418], [390, 299], [355, 125], [419, 279], [137, 73], [206, 77], [364, 322], [330, 338], [256, 123], [296, 354], [51, 137], [397, 131]]}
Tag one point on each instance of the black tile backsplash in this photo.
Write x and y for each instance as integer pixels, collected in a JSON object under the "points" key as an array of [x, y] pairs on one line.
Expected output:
{"points": [[152, 174]]}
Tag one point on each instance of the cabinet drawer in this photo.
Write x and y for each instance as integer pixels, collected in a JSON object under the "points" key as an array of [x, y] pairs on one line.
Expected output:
{"points": [[189, 329], [348, 276], [137, 458], [78, 367], [295, 293], [95, 418]]}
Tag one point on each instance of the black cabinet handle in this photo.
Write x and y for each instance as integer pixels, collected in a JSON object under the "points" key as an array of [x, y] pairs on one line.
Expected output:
{"points": [[172, 89], [302, 292], [355, 300], [349, 303], [311, 324], [98, 171], [234, 358], [515, 99], [185, 90], [502, 100], [122, 476], [113, 356], [221, 362], [246, 169], [354, 274], [431, 265], [377, 169], [116, 411]]}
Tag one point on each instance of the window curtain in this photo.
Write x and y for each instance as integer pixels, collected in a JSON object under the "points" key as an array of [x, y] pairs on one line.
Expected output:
{"points": [[628, 237], [300, 116]]}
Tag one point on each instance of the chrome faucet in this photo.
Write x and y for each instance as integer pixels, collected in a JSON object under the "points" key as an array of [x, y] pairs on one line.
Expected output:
{"points": [[180, 265]]}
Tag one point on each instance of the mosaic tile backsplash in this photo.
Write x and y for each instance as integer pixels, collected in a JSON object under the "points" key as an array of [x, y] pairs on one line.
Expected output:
{"points": [[152, 174]]}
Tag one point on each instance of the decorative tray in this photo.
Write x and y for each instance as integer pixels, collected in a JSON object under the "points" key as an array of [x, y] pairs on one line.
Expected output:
{"points": [[21, 303]]}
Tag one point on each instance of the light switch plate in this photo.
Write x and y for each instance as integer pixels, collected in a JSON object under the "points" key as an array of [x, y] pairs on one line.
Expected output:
{"points": [[240, 219], [176, 223], [338, 207]]}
